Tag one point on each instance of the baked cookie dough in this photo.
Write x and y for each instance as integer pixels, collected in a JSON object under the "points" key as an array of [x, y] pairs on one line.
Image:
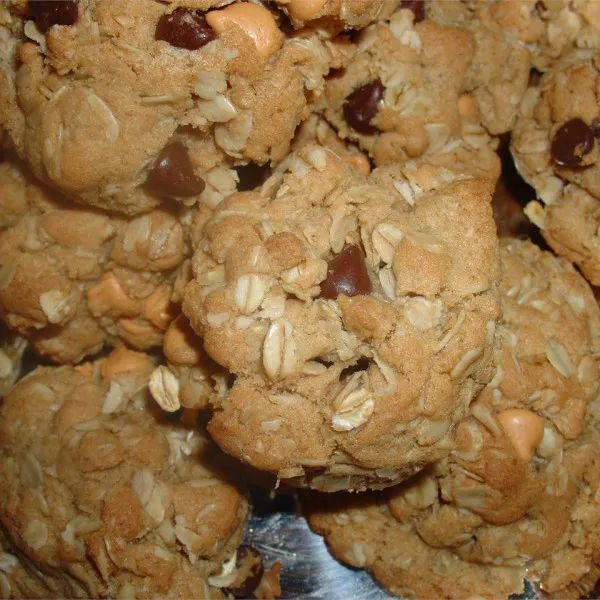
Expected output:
{"points": [[103, 496], [355, 315], [555, 150], [121, 103], [548, 29], [416, 85], [73, 278], [518, 495]]}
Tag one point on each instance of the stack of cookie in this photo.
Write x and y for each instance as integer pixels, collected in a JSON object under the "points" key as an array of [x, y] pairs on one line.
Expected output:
{"points": [[266, 228]]}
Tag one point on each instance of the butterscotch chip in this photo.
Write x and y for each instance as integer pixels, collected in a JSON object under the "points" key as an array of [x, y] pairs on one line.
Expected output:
{"points": [[517, 497], [556, 151], [73, 279], [146, 100], [102, 498], [350, 370]]}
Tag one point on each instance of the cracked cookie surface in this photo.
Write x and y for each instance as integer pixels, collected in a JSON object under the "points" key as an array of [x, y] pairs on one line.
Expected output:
{"points": [[102, 496], [519, 492], [355, 314]]}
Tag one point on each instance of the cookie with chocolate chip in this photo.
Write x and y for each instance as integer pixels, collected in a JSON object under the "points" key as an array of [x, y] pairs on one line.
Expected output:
{"points": [[121, 104], [355, 315], [555, 147], [73, 278], [518, 494], [417, 86], [103, 496]]}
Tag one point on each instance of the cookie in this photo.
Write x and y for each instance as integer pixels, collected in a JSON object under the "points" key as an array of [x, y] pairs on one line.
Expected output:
{"points": [[121, 103], [517, 496], [555, 150], [102, 496], [12, 348], [549, 29], [355, 316], [416, 85], [73, 278]]}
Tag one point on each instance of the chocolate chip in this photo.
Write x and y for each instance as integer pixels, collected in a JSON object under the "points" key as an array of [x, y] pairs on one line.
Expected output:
{"points": [[347, 274], [53, 12], [250, 569], [571, 142], [417, 7], [362, 105], [173, 173], [252, 176], [184, 28], [335, 74]]}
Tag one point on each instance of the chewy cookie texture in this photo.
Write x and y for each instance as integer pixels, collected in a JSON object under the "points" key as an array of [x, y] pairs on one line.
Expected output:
{"points": [[74, 278], [85, 99], [357, 316], [518, 494], [102, 495], [276, 229]]}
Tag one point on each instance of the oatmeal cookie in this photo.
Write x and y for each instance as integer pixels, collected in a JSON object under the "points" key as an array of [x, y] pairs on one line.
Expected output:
{"points": [[355, 315], [74, 278], [102, 496], [121, 103], [416, 85], [555, 150], [548, 29], [518, 494]]}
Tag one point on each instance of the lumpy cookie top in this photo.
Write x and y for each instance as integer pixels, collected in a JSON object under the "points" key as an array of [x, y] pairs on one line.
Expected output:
{"points": [[416, 85], [356, 315], [555, 149], [107, 100], [74, 278], [549, 29], [520, 489], [102, 497]]}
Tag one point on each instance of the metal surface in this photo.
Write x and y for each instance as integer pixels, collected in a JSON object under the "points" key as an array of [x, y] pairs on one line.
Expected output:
{"points": [[309, 571]]}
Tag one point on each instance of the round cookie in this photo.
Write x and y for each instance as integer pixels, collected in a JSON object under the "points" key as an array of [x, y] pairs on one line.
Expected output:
{"points": [[103, 497], [548, 29], [73, 278], [121, 103], [518, 495], [555, 150], [355, 315], [415, 85]]}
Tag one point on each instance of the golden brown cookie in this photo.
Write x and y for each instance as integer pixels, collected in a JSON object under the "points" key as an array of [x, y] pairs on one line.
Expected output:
{"points": [[122, 103], [518, 495], [103, 496], [74, 278], [555, 150], [355, 314]]}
